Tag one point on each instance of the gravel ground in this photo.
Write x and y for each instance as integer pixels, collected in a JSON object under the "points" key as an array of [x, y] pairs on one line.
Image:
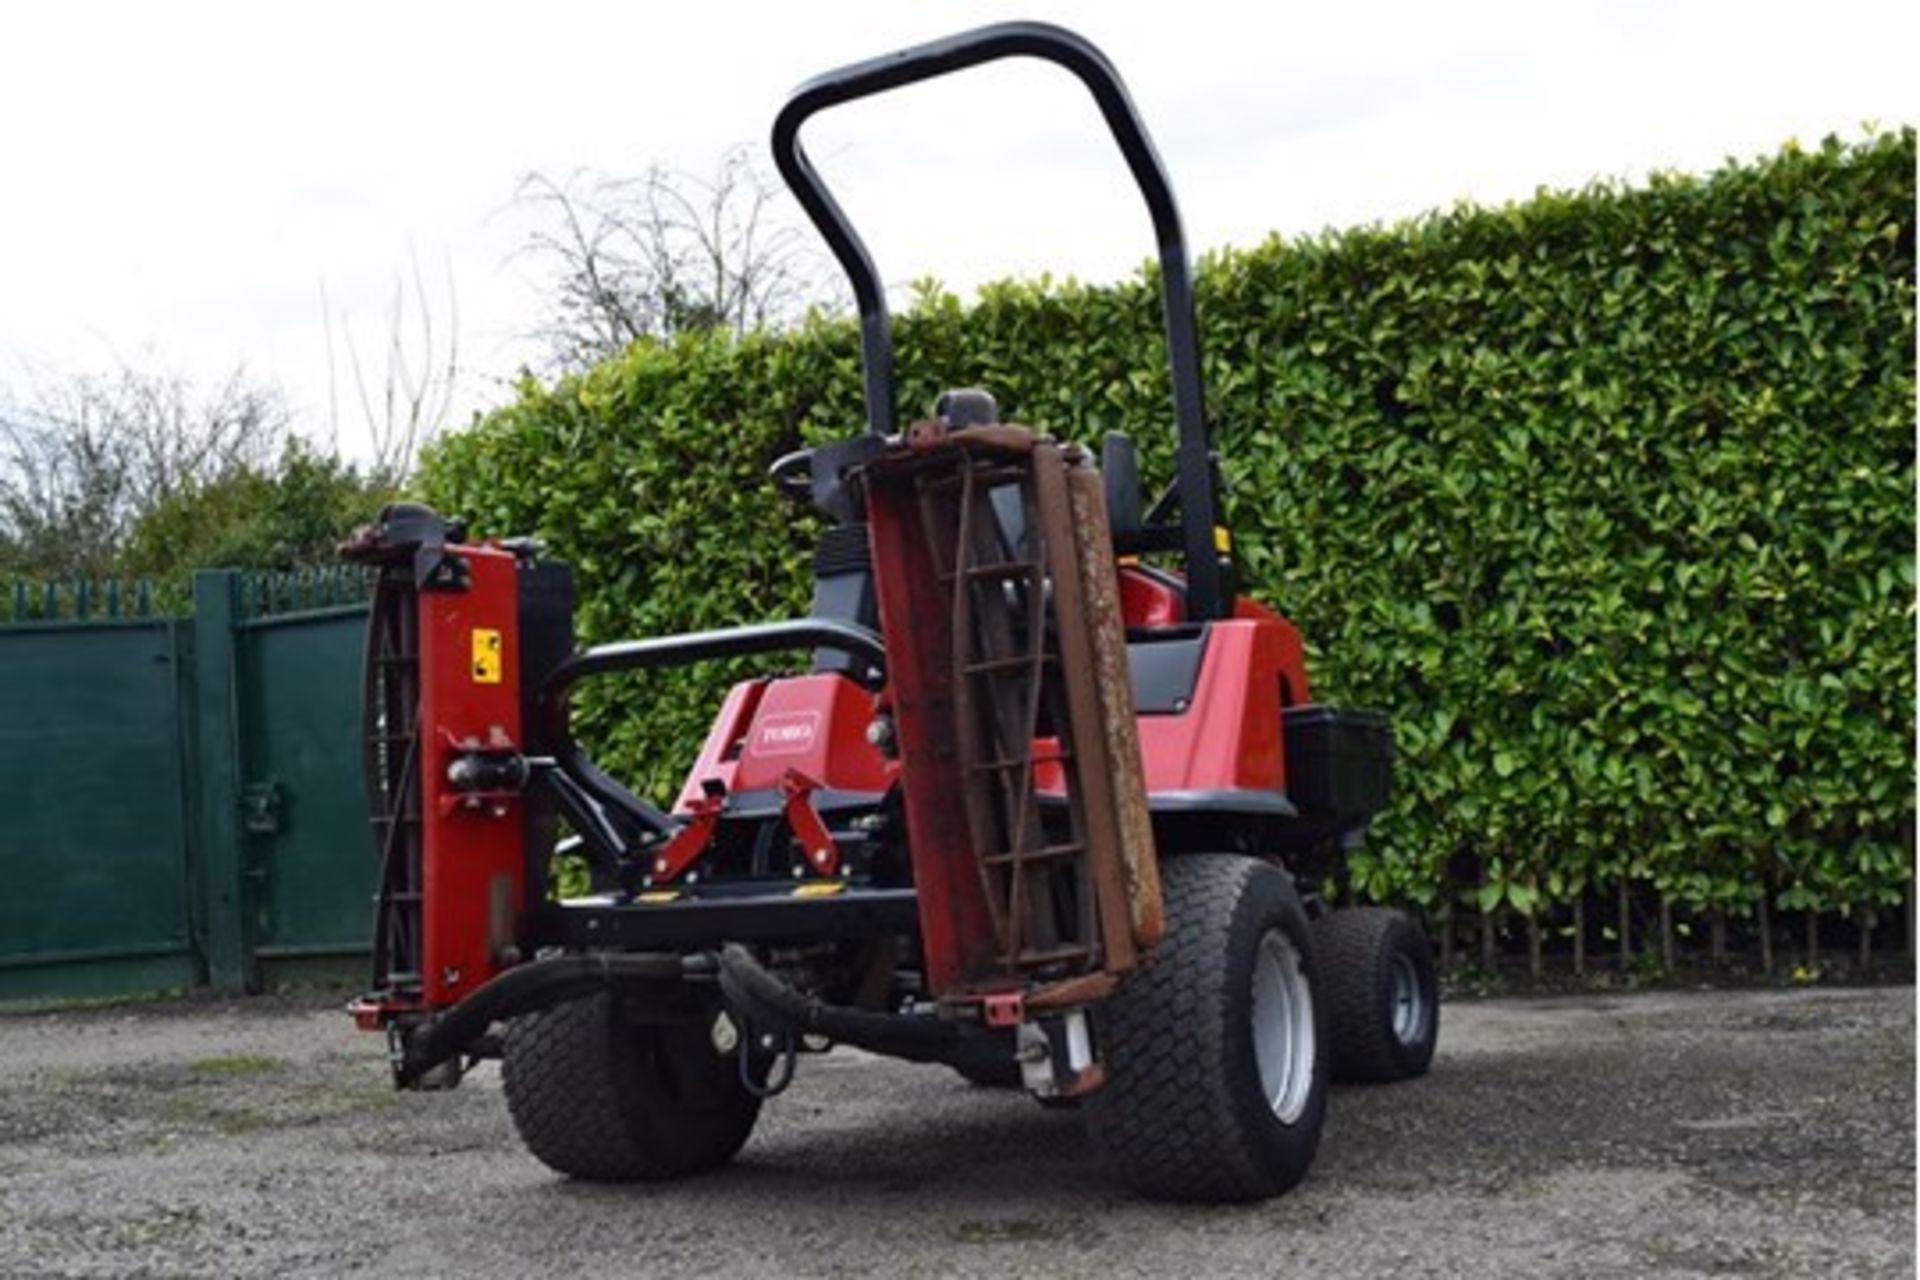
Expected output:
{"points": [[1765, 1133]]}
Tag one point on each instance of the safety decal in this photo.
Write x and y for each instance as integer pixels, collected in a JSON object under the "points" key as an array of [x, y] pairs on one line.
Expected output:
{"points": [[486, 656]]}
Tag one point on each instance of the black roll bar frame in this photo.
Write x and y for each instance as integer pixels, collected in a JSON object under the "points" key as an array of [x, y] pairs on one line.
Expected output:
{"points": [[1195, 476]]}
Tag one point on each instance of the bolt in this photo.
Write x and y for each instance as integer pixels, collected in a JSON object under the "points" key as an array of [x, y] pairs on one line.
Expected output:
{"points": [[798, 871], [821, 855], [724, 1035]]}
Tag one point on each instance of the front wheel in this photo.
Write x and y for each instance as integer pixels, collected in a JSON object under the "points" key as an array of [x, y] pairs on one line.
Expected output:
{"points": [[597, 1095], [1215, 1050]]}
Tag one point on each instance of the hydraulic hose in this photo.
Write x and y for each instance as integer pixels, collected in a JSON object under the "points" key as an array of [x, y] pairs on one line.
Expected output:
{"points": [[526, 988], [768, 1002], [755, 994]]}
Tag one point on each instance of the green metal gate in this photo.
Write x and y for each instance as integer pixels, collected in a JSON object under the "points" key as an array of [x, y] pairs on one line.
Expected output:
{"points": [[180, 798], [94, 828], [308, 854]]}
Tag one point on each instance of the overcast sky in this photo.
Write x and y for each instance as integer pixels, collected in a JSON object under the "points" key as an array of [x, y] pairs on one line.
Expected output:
{"points": [[181, 180]]}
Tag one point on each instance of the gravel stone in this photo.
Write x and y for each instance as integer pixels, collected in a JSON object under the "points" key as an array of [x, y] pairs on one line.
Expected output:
{"points": [[1766, 1133]]}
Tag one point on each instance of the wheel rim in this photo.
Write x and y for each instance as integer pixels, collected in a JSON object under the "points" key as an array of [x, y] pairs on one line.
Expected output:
{"points": [[1283, 1042], [1409, 1002]]}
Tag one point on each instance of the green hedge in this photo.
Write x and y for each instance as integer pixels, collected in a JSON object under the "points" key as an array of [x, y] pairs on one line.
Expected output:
{"points": [[1606, 497]]}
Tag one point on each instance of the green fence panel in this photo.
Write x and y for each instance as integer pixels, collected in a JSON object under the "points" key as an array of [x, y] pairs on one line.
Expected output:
{"points": [[308, 852], [93, 810]]}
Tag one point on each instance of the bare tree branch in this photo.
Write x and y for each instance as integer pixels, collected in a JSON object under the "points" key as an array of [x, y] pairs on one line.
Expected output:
{"points": [[417, 387], [665, 253], [85, 457]]}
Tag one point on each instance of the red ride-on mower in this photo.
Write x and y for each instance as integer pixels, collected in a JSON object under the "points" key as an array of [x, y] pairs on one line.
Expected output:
{"points": [[1038, 807]]}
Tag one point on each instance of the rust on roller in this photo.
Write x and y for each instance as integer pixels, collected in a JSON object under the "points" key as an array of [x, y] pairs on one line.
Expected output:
{"points": [[1100, 588], [1012, 658]]}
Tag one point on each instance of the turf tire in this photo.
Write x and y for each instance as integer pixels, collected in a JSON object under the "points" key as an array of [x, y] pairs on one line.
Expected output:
{"points": [[597, 1096], [1184, 1115], [1359, 948]]}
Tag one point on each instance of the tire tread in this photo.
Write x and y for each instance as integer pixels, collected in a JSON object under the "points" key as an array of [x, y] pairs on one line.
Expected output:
{"points": [[586, 1095], [1166, 1120], [1354, 945]]}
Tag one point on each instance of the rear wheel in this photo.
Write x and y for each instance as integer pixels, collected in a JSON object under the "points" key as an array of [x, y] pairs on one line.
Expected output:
{"points": [[599, 1096], [1382, 994], [1215, 1050]]}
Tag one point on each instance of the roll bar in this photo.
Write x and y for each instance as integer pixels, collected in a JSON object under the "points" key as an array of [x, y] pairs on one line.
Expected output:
{"points": [[1195, 475]]}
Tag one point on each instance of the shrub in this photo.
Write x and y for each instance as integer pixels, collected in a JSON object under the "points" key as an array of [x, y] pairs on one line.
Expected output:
{"points": [[1607, 497]]}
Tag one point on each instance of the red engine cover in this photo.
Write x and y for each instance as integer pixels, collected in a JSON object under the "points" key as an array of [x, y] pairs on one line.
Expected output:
{"points": [[1229, 737], [813, 725]]}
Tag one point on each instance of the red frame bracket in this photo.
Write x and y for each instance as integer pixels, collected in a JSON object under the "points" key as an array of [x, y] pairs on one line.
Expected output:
{"points": [[686, 845], [373, 1012], [1003, 1009], [816, 842]]}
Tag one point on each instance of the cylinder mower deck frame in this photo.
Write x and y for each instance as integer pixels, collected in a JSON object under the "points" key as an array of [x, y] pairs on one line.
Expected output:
{"points": [[946, 840]]}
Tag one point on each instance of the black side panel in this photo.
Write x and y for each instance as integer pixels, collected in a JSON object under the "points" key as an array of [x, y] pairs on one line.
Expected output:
{"points": [[1339, 761], [1165, 666]]}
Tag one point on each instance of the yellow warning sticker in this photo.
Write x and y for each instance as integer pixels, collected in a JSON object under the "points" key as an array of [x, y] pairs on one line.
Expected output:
{"points": [[819, 889], [657, 896], [486, 656], [1222, 540]]}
